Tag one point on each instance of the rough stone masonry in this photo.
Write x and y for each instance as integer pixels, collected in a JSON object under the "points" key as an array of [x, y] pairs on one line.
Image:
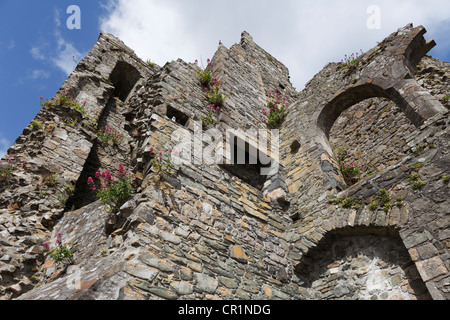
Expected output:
{"points": [[219, 231]]}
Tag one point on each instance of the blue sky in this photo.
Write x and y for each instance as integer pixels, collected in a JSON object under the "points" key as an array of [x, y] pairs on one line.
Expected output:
{"points": [[37, 48]]}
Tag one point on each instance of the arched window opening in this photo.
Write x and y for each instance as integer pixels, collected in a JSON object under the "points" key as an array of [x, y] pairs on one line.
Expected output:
{"points": [[369, 127], [369, 137], [124, 77]]}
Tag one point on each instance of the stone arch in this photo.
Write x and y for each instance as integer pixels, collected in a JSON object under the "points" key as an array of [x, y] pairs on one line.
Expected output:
{"points": [[124, 77], [331, 111], [375, 134], [361, 263], [327, 116]]}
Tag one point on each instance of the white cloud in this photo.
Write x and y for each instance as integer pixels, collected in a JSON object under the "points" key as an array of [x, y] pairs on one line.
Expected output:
{"points": [[66, 55], [33, 75], [63, 55], [4, 145], [57, 16], [11, 45], [36, 53], [305, 35], [39, 74], [153, 29]]}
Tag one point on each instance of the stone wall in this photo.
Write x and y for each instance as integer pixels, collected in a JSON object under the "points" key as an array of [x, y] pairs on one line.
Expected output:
{"points": [[376, 132], [388, 167], [210, 231], [67, 147]]}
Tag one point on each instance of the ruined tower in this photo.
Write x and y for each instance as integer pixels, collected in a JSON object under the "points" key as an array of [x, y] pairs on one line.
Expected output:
{"points": [[223, 230]]}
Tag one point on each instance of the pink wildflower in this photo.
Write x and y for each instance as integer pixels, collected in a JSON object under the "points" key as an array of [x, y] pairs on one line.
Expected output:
{"points": [[108, 175], [121, 171], [58, 238], [46, 246]]}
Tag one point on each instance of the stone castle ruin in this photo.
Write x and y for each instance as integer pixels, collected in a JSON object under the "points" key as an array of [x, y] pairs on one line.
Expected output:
{"points": [[309, 230]]}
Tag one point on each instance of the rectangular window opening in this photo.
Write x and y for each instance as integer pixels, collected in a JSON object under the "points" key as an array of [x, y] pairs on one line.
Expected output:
{"points": [[246, 164], [177, 116]]}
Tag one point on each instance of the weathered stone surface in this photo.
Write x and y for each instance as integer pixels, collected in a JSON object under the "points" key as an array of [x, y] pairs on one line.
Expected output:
{"points": [[237, 253], [182, 288], [161, 292], [206, 283], [431, 268], [225, 231], [141, 271]]}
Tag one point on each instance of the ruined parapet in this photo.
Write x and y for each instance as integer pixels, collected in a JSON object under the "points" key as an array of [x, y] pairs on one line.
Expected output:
{"points": [[381, 72], [169, 100], [58, 151], [328, 204]]}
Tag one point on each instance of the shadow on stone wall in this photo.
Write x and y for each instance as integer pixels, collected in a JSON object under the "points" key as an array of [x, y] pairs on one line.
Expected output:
{"points": [[361, 264]]}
